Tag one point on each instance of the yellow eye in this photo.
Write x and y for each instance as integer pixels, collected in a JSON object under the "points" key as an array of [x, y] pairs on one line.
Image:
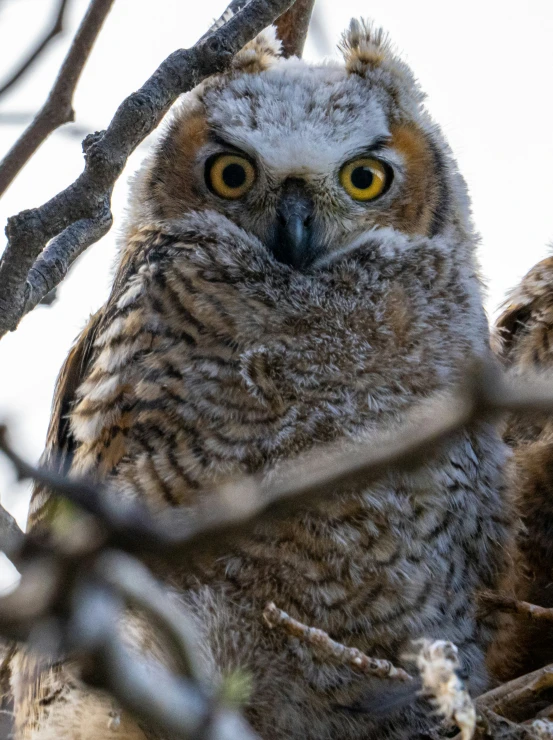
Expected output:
{"points": [[365, 178], [229, 175]]}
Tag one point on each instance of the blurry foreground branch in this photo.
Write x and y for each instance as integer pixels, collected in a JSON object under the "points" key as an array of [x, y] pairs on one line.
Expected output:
{"points": [[234, 508], [86, 201], [74, 590]]}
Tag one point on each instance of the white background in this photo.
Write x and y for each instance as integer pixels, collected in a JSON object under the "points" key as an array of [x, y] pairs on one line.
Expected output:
{"points": [[486, 67]]}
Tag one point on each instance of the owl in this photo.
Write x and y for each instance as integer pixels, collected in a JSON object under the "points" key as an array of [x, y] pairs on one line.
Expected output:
{"points": [[524, 332], [297, 269]]}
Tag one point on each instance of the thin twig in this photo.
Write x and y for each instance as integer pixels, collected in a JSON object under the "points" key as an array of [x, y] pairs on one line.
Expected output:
{"points": [[511, 699], [107, 154], [19, 118], [55, 28], [324, 647], [58, 108], [513, 606]]}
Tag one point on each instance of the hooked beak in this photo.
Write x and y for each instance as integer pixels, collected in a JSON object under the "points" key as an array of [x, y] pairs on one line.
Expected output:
{"points": [[292, 242]]}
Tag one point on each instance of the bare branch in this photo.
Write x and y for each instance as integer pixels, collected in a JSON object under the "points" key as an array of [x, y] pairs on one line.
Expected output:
{"points": [[135, 584], [56, 27], [292, 27], [160, 699], [53, 264], [58, 108], [492, 725], [106, 155], [93, 630], [513, 699], [325, 648]]}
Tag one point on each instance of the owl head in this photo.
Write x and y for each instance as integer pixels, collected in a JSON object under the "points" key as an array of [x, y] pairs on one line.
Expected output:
{"points": [[307, 157]]}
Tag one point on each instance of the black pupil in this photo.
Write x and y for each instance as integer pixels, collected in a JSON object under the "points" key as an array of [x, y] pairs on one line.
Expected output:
{"points": [[362, 178], [234, 175]]}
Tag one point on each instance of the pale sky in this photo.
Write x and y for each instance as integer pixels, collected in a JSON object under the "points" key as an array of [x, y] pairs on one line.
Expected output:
{"points": [[486, 67]]}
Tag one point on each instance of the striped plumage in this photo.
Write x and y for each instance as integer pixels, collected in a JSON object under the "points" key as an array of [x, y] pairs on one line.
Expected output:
{"points": [[212, 359], [525, 344]]}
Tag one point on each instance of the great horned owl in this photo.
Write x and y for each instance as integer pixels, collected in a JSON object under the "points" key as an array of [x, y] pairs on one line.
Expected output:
{"points": [[525, 333], [298, 268]]}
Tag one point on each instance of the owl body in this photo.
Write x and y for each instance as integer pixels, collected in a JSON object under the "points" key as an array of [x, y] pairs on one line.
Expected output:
{"points": [[243, 330], [525, 333]]}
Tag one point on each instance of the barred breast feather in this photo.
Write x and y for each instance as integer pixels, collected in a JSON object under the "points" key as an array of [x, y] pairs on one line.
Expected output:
{"points": [[208, 363]]}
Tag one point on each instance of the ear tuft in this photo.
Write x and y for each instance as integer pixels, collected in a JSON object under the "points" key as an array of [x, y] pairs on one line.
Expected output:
{"points": [[260, 53], [364, 47]]}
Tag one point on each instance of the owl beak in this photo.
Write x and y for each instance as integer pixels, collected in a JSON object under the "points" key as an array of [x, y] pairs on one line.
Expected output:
{"points": [[292, 242]]}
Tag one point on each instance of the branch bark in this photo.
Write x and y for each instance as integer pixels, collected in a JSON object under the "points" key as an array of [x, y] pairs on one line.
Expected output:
{"points": [[53, 264], [107, 154], [58, 108], [516, 700], [327, 649]]}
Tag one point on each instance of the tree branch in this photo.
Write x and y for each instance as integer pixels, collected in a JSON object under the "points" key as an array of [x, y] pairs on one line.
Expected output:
{"points": [[293, 25], [107, 154], [9, 528], [78, 592], [58, 108], [136, 585], [233, 509], [516, 699], [56, 27], [162, 700], [53, 264]]}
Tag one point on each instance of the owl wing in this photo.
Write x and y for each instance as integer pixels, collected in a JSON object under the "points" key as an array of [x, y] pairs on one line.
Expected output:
{"points": [[35, 683], [40, 688], [526, 325], [60, 443]]}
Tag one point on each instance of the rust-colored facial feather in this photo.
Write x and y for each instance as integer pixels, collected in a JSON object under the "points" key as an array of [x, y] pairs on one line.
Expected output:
{"points": [[421, 206], [173, 184], [305, 125]]}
